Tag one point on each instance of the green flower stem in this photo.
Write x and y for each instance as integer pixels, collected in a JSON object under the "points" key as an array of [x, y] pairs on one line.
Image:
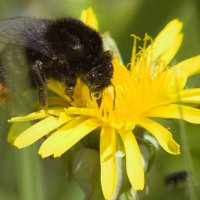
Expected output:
{"points": [[187, 159], [185, 150], [29, 175]]}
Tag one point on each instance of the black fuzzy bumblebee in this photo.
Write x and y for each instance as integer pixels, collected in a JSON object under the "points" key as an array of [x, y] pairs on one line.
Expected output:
{"points": [[64, 49]]}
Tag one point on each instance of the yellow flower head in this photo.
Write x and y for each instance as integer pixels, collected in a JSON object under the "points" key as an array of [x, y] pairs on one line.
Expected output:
{"points": [[150, 89]]}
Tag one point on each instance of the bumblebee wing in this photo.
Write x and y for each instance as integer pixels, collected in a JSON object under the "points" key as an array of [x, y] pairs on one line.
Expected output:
{"points": [[26, 32]]}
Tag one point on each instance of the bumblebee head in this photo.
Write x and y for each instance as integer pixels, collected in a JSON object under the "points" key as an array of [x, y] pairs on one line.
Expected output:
{"points": [[99, 76]]}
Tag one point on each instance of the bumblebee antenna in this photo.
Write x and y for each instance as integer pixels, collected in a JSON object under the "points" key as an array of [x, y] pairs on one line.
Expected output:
{"points": [[97, 95], [114, 90]]}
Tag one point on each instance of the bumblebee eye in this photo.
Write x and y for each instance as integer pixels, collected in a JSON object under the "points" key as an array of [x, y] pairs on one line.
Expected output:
{"points": [[96, 74]]}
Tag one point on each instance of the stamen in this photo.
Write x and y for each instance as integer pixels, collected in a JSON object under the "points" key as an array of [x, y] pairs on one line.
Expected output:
{"points": [[133, 57]]}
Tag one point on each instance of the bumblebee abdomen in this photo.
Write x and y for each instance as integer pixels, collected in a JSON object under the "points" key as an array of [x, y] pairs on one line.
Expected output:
{"points": [[73, 39]]}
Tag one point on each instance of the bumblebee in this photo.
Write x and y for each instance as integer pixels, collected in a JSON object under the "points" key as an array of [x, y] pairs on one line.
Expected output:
{"points": [[64, 49]]}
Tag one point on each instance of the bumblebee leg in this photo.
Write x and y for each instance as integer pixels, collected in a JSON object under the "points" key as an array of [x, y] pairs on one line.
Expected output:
{"points": [[43, 97], [40, 80], [39, 75], [71, 83]]}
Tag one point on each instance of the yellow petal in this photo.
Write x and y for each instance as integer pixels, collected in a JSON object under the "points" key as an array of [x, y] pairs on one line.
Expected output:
{"points": [[40, 129], [189, 96], [189, 93], [163, 136], [49, 146], [191, 100], [120, 72], [82, 95], [108, 161], [174, 111], [74, 135], [175, 80], [134, 166], [166, 39], [16, 129], [35, 115], [80, 111], [58, 88], [65, 137], [88, 17], [191, 65], [169, 54]]}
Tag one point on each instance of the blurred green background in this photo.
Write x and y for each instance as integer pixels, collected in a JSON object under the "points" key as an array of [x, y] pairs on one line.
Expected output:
{"points": [[25, 176]]}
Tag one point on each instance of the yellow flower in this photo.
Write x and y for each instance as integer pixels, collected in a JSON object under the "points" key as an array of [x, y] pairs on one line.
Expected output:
{"points": [[150, 89], [89, 18]]}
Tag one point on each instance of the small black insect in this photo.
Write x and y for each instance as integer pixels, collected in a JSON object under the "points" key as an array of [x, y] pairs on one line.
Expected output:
{"points": [[64, 49], [177, 177]]}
